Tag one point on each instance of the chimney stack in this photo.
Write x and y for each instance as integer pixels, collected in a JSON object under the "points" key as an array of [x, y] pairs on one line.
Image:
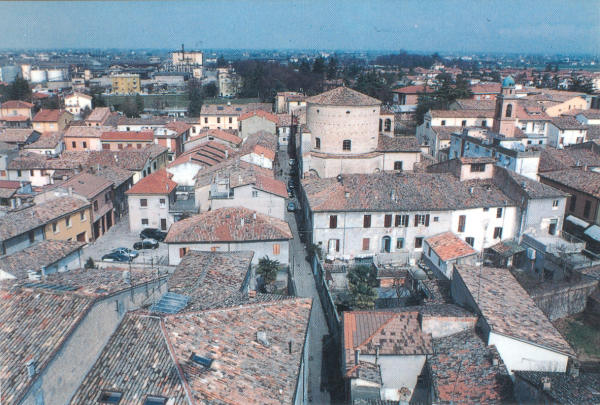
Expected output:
{"points": [[546, 383], [31, 368], [356, 356]]}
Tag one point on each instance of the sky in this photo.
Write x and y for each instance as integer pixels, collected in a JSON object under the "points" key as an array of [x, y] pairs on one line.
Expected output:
{"points": [[530, 26]]}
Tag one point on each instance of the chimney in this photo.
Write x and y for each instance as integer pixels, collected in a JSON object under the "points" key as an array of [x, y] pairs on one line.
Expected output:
{"points": [[574, 369], [347, 194], [254, 215], [31, 368], [261, 337], [242, 221], [290, 347], [377, 355], [127, 277], [251, 294], [43, 271], [356, 356], [546, 384]]}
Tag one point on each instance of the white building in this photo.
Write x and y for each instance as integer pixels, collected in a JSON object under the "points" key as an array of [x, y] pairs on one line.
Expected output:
{"points": [[149, 202], [566, 130], [230, 230], [260, 148], [77, 102]]}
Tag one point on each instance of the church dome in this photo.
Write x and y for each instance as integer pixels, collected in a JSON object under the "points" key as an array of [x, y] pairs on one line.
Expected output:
{"points": [[508, 82]]}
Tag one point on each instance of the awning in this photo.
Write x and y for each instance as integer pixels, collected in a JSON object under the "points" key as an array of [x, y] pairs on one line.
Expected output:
{"points": [[577, 221], [593, 232]]}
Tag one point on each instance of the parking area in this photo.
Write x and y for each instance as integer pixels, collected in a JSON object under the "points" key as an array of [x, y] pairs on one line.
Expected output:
{"points": [[120, 236]]}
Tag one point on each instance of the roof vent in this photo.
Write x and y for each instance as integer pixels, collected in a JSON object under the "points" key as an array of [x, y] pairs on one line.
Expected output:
{"points": [[31, 368], [242, 221], [254, 215], [203, 361], [546, 383], [347, 194], [261, 337], [471, 190], [127, 277]]}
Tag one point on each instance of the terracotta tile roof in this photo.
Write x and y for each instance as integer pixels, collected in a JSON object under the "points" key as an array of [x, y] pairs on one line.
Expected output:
{"points": [[10, 184], [141, 336], [87, 184], [153, 120], [261, 143], [528, 112], [565, 388], [129, 158], [85, 131], [486, 88], [567, 123], [414, 90], [146, 136], [343, 96], [98, 114], [114, 174], [78, 94], [462, 371], [271, 185], [48, 115], [233, 109], [18, 222], [448, 246], [207, 154], [34, 323], [444, 133], [593, 114], [210, 278], [462, 113], [525, 186], [398, 144], [586, 181], [593, 132], [15, 118], [240, 173], [47, 140], [15, 135], [392, 333], [508, 309], [156, 183], [389, 191], [42, 254], [16, 104], [228, 225], [243, 370], [259, 113], [219, 134], [178, 126]]}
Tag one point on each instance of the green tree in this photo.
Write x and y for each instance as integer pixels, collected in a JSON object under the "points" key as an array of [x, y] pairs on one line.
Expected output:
{"points": [[362, 281], [97, 100], [195, 97], [332, 68], [19, 90], [374, 85], [221, 62], [319, 66], [268, 268], [210, 90], [139, 103]]}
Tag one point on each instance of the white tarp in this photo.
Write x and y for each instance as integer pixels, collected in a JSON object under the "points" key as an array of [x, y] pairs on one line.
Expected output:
{"points": [[593, 232], [577, 221]]}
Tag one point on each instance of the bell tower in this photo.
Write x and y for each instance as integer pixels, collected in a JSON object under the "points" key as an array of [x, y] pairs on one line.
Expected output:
{"points": [[505, 115]]}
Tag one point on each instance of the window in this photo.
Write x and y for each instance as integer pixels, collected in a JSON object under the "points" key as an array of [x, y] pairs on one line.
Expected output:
{"points": [[477, 167], [74, 144], [552, 227], [129, 145], [143, 202], [463, 123], [218, 120], [367, 221], [110, 397], [230, 120], [429, 251], [573, 203], [484, 123], [82, 216], [144, 221], [183, 251], [388, 125], [555, 204], [436, 219], [347, 144], [139, 146], [68, 221], [422, 219], [400, 243], [499, 212], [254, 193], [401, 221], [105, 146], [206, 120], [31, 235], [85, 144], [498, 232], [470, 240], [317, 143], [18, 173], [276, 248], [509, 110], [31, 172], [348, 112], [333, 221], [155, 400], [365, 243], [443, 123], [398, 165], [120, 146], [54, 227], [418, 242], [387, 220], [162, 203], [587, 208], [154, 165], [461, 223]]}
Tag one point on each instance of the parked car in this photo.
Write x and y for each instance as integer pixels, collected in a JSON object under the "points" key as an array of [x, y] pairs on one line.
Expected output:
{"points": [[126, 251], [146, 244], [116, 257], [153, 233], [290, 193], [291, 207], [291, 184], [292, 162]]}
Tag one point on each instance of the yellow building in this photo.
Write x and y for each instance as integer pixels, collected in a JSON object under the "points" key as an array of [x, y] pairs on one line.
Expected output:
{"points": [[76, 224], [126, 83]]}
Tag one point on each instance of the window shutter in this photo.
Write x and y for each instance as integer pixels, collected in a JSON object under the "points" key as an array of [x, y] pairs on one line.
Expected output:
{"points": [[337, 245], [427, 220], [416, 220]]}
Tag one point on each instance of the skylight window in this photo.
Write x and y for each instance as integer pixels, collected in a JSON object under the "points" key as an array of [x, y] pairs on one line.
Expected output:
{"points": [[150, 400], [110, 397], [203, 361]]}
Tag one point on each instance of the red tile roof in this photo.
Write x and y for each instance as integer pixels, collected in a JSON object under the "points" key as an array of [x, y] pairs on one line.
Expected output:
{"points": [[486, 88], [156, 183], [343, 96], [206, 154], [146, 136], [448, 246], [259, 113], [48, 115], [261, 143], [271, 185], [14, 118], [178, 126], [234, 224], [413, 90], [462, 113], [16, 104], [87, 184]]}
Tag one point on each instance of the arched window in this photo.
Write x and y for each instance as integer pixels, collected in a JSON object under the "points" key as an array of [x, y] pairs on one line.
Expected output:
{"points": [[388, 125], [509, 110], [347, 144]]}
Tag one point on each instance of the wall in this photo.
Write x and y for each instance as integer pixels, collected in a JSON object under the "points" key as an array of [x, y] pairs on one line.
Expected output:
{"points": [[219, 121], [21, 241], [78, 226], [265, 203], [560, 302], [260, 249], [37, 177], [255, 124], [59, 380], [408, 160], [184, 173], [259, 160], [91, 143], [397, 372], [576, 103], [441, 326], [580, 199], [153, 212]]}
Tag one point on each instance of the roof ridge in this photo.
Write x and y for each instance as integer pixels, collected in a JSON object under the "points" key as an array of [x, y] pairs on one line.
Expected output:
{"points": [[378, 330]]}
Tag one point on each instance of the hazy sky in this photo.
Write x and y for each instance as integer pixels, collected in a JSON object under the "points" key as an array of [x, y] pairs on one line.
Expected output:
{"points": [[540, 26]]}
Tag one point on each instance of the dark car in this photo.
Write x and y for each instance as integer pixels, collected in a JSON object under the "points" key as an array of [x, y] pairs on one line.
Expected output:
{"points": [[116, 257], [146, 244], [291, 184], [291, 207], [153, 233]]}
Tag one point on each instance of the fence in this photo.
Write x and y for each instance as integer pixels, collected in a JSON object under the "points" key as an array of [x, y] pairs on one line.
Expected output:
{"points": [[331, 315]]}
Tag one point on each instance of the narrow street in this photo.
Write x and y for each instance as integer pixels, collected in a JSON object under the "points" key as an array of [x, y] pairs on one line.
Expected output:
{"points": [[305, 286]]}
